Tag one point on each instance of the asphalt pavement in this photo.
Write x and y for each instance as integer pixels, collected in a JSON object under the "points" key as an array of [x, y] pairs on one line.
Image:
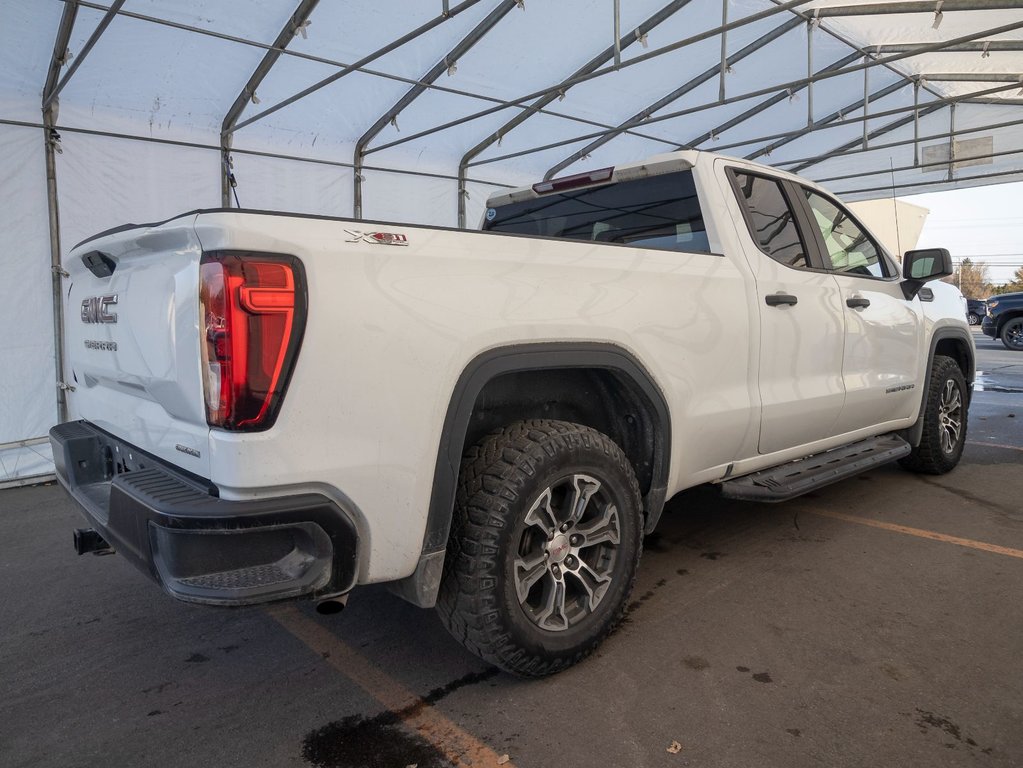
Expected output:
{"points": [[876, 622]]}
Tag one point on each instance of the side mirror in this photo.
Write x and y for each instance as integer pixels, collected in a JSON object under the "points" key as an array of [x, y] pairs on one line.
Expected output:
{"points": [[920, 266]]}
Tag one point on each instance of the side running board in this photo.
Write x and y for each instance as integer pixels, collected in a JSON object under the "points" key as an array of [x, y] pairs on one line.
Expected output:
{"points": [[795, 478]]}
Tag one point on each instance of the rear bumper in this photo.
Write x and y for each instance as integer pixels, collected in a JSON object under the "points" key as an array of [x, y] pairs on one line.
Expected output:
{"points": [[198, 547]]}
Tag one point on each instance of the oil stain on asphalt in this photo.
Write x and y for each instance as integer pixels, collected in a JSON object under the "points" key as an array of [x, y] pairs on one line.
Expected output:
{"points": [[365, 742]]}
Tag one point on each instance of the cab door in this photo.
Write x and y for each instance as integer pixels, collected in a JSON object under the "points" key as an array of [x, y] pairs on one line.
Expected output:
{"points": [[802, 318], [883, 337]]}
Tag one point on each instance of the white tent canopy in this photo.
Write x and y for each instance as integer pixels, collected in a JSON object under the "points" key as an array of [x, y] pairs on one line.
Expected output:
{"points": [[416, 110]]}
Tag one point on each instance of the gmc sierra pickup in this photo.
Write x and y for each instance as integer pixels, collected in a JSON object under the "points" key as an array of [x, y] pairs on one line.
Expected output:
{"points": [[276, 406]]}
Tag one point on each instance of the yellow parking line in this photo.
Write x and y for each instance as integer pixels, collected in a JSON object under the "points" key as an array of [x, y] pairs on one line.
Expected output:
{"points": [[459, 746], [994, 445], [921, 533]]}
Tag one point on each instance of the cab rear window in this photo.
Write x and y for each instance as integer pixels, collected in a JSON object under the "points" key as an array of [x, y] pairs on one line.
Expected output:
{"points": [[660, 212]]}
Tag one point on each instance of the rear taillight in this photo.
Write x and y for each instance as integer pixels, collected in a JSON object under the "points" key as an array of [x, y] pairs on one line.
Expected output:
{"points": [[253, 315]]}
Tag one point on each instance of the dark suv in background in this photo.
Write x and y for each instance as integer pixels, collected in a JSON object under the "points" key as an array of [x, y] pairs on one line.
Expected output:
{"points": [[976, 309], [1004, 320]]}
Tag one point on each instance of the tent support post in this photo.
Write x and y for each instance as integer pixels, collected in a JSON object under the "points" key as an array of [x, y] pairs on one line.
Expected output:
{"points": [[866, 98], [618, 33], [916, 122], [951, 141], [50, 139], [724, 49], [809, 73], [227, 180]]}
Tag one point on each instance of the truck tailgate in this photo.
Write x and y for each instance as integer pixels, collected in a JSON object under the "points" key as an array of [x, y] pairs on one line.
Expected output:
{"points": [[132, 331]]}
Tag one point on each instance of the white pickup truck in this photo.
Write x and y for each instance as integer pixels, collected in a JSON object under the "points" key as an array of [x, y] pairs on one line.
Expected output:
{"points": [[276, 406]]}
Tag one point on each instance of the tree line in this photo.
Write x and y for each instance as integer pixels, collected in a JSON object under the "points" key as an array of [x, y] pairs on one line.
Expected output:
{"points": [[972, 279]]}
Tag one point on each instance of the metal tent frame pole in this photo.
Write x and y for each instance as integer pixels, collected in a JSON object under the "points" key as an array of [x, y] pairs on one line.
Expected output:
{"points": [[240, 151], [50, 139], [887, 128], [444, 65], [675, 95], [286, 35], [814, 159], [899, 169], [556, 88], [51, 93], [446, 14], [844, 120], [592, 65], [839, 115], [772, 90], [917, 184], [918, 6], [716, 131]]}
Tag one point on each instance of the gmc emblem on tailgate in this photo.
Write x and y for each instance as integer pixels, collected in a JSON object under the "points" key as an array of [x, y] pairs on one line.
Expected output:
{"points": [[94, 309]]}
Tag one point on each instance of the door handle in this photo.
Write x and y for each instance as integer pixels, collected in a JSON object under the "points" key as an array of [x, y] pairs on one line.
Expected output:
{"points": [[857, 302], [778, 299]]}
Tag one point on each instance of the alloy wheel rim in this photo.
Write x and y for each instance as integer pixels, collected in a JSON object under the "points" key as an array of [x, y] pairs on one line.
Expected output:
{"points": [[950, 416], [1015, 335], [567, 552]]}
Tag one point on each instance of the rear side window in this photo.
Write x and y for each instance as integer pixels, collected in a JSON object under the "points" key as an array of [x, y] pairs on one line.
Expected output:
{"points": [[655, 212], [771, 221]]}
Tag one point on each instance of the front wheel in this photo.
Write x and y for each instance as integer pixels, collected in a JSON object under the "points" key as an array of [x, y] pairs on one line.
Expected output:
{"points": [[945, 416], [973, 318], [544, 546], [1012, 334]]}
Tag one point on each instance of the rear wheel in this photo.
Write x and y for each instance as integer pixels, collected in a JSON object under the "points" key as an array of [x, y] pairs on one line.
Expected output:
{"points": [[1012, 334], [973, 318], [544, 546], [945, 418]]}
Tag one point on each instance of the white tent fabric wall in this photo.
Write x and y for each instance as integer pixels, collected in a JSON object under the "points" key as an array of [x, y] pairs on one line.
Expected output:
{"points": [[28, 404], [168, 71]]}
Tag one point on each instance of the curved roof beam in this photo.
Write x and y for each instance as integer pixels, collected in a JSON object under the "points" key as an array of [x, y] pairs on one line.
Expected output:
{"points": [[675, 95], [888, 128], [764, 105], [769, 91], [905, 142], [464, 45], [447, 13], [664, 49], [286, 35], [822, 125], [834, 117], [108, 17], [602, 58], [917, 6], [60, 47]]}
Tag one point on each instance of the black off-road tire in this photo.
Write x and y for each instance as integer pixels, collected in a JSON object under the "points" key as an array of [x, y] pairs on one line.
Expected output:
{"points": [[1012, 334], [941, 445], [553, 464]]}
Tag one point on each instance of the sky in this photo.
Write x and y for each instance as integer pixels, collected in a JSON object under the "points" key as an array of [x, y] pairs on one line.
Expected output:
{"points": [[982, 223]]}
